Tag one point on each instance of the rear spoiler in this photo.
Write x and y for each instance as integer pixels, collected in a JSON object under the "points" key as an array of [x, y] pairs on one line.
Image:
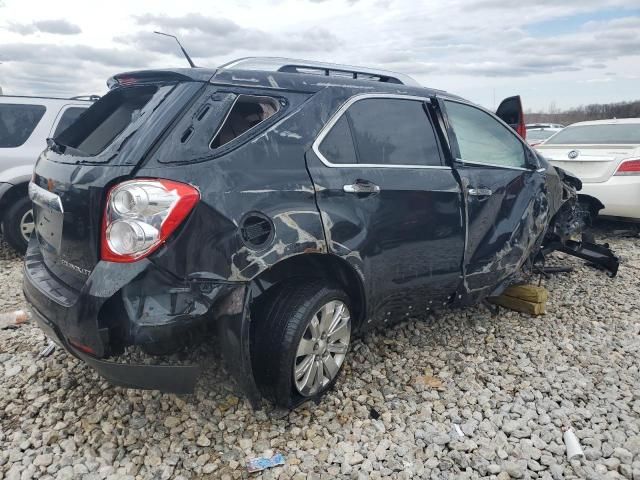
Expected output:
{"points": [[143, 77]]}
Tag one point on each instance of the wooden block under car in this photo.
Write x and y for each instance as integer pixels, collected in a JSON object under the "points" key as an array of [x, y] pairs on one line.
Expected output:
{"points": [[529, 293], [512, 303], [529, 299]]}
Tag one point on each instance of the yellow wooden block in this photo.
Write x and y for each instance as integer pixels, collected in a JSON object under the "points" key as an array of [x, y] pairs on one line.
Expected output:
{"points": [[519, 305], [529, 293]]}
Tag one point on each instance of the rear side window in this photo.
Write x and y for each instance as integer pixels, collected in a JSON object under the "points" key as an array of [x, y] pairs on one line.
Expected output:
{"points": [[382, 131], [106, 119], [69, 116], [247, 112], [17, 122], [483, 139], [338, 146], [393, 132]]}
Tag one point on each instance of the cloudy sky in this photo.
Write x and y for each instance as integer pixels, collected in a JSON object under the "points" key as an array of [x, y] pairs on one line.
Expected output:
{"points": [[562, 52]]}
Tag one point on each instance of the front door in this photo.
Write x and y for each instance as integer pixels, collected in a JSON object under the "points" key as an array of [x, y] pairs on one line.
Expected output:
{"points": [[390, 205], [505, 196]]}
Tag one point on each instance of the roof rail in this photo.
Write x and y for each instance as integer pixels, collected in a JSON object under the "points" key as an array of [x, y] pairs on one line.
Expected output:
{"points": [[309, 67], [91, 98]]}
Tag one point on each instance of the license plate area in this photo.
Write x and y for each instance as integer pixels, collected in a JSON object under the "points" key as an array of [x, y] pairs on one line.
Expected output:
{"points": [[48, 215], [48, 227]]}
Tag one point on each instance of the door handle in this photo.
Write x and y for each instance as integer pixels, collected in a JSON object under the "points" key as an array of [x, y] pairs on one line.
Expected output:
{"points": [[361, 186], [480, 192]]}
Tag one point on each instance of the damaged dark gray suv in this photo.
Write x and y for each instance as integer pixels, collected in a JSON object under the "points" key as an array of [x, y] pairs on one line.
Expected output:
{"points": [[287, 205]]}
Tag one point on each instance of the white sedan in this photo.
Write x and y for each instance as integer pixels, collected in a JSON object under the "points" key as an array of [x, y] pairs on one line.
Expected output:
{"points": [[605, 155]]}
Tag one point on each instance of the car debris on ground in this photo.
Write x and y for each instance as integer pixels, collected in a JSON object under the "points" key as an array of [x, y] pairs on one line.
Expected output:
{"points": [[262, 463], [574, 449], [13, 319]]}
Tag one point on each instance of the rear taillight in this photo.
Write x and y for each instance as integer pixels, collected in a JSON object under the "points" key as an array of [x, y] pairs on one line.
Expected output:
{"points": [[141, 214], [629, 167]]}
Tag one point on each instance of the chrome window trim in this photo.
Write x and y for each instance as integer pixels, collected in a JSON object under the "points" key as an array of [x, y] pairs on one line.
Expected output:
{"points": [[338, 114], [483, 164]]}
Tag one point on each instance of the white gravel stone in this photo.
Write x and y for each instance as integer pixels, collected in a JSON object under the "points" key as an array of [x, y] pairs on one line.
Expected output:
{"points": [[511, 383]]}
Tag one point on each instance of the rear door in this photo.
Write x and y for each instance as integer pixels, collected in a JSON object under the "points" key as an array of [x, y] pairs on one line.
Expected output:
{"points": [[510, 112], [505, 196], [389, 204]]}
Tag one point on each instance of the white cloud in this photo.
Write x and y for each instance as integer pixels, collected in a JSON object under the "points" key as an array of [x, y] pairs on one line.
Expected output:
{"points": [[470, 47]]}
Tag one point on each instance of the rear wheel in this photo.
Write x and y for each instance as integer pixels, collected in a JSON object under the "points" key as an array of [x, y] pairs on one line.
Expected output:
{"points": [[18, 224], [301, 341]]}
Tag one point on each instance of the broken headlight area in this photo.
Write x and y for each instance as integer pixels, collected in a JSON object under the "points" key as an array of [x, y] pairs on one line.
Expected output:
{"points": [[567, 231]]}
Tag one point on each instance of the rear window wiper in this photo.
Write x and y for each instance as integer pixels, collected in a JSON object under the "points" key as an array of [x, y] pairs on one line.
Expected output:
{"points": [[62, 149]]}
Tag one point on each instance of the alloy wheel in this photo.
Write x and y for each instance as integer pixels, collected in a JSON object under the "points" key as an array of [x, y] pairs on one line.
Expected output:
{"points": [[322, 348], [26, 225]]}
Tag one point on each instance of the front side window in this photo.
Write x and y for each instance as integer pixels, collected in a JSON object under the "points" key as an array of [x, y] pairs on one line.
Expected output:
{"points": [[69, 116], [383, 131], [17, 122], [482, 139]]}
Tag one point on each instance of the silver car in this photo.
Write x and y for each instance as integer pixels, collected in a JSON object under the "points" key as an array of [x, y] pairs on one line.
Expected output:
{"points": [[25, 124]]}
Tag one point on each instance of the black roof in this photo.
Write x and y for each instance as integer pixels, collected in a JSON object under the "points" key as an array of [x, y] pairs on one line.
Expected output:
{"points": [[300, 82]]}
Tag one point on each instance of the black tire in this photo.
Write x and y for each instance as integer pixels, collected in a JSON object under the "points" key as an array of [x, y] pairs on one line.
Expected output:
{"points": [[11, 223], [278, 328]]}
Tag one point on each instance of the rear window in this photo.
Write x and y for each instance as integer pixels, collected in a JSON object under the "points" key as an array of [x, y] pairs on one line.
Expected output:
{"points": [[539, 134], [247, 112], [17, 122], [69, 116], [621, 133], [106, 119]]}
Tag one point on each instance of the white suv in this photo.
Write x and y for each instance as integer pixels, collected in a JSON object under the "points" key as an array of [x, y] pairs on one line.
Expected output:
{"points": [[25, 124], [605, 155]]}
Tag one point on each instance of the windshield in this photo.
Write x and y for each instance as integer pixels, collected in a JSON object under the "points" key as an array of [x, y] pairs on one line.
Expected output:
{"points": [[608, 134]]}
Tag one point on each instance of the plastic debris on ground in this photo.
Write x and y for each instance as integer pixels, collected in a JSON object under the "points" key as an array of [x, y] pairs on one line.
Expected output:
{"points": [[574, 450], [458, 430], [262, 463], [48, 350], [13, 319]]}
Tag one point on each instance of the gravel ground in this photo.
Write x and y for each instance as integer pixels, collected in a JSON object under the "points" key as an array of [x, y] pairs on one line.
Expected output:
{"points": [[511, 383]]}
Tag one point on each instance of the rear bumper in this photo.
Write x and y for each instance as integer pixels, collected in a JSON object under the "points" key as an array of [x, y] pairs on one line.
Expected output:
{"points": [[136, 304], [166, 378], [620, 195]]}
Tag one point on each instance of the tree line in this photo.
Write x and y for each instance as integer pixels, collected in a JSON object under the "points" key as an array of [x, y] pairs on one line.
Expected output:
{"points": [[595, 111]]}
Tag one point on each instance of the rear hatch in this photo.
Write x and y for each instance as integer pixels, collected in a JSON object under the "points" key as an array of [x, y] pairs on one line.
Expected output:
{"points": [[73, 175], [590, 163]]}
